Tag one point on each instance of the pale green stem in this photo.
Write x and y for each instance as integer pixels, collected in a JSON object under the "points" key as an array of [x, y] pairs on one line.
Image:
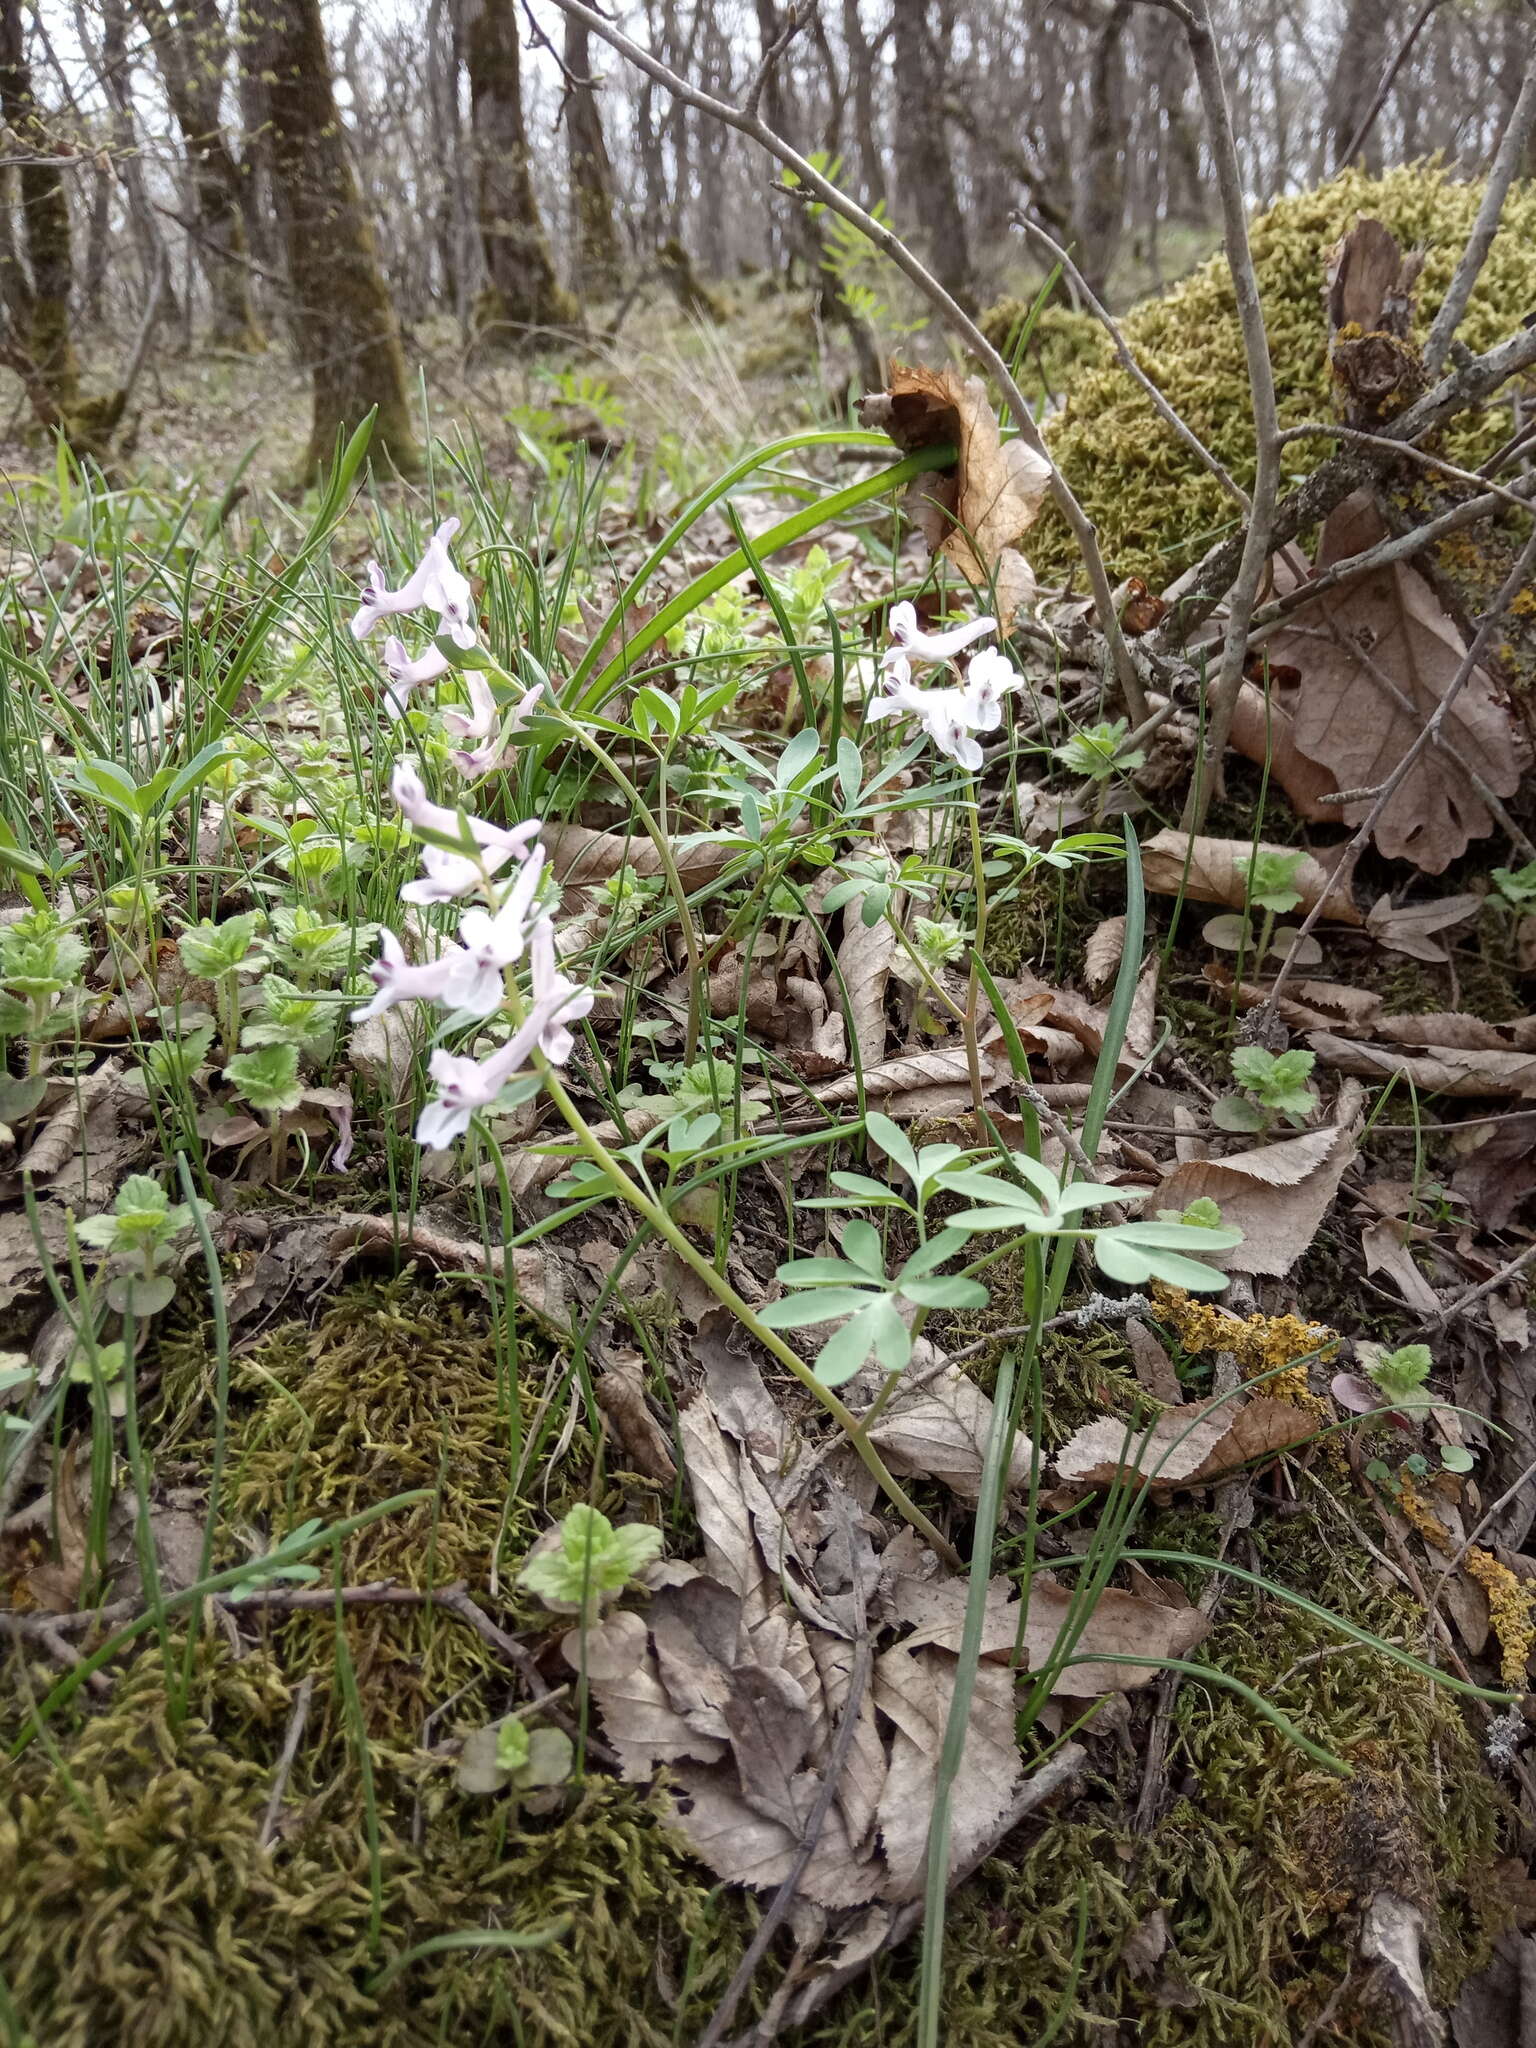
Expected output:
{"points": [[973, 987], [770, 1340], [658, 838]]}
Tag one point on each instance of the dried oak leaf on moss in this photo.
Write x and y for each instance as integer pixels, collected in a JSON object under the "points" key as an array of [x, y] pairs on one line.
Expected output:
{"points": [[1393, 624], [1186, 1447], [1216, 871], [974, 513]]}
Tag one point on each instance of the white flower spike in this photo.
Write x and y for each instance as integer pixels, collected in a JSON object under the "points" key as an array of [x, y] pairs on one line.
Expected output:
{"points": [[989, 677], [912, 643], [395, 980], [410, 793], [491, 942], [434, 583]]}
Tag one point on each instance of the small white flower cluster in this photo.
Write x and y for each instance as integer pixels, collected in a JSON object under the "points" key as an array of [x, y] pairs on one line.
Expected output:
{"points": [[436, 585], [469, 978], [951, 716]]}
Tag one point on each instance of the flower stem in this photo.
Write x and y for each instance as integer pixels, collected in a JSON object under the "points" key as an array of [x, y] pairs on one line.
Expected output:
{"points": [[770, 1340], [973, 987]]}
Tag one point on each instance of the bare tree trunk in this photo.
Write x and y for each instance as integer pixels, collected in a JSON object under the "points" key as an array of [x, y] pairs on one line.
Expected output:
{"points": [[870, 185], [36, 292], [598, 262], [342, 310], [1103, 204], [1363, 51], [192, 49], [522, 290], [925, 175]]}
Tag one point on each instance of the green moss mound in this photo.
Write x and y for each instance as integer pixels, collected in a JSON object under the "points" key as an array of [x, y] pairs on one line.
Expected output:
{"points": [[1156, 507], [139, 1905]]}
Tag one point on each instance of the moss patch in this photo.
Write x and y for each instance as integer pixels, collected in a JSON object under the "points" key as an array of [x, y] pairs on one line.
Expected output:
{"points": [[1156, 507]]}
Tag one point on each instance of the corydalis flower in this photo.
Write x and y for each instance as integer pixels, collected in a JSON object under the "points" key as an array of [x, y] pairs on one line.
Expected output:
{"points": [[406, 675], [493, 751], [409, 792], [989, 678], [947, 716], [466, 1085], [912, 643], [395, 980], [434, 584], [490, 942]]}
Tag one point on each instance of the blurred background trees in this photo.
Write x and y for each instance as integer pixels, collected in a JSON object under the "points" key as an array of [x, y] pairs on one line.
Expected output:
{"points": [[323, 175]]}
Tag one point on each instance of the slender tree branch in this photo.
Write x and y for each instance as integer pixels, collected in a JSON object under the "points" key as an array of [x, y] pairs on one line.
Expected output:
{"points": [[1395, 64], [819, 187], [1507, 165]]}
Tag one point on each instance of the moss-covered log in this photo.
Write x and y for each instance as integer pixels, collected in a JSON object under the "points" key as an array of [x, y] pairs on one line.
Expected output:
{"points": [[342, 307]]}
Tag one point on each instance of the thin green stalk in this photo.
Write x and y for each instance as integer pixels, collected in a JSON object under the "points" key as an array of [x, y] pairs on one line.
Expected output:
{"points": [[770, 1340]]}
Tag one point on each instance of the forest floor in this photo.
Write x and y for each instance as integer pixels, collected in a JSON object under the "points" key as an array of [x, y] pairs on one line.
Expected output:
{"points": [[935, 1347]]}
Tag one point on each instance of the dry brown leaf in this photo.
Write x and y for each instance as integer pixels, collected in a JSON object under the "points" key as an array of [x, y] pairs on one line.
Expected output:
{"points": [[943, 1066], [643, 1726], [608, 1652], [1184, 1448], [1452, 1029], [1343, 720], [578, 854], [1408, 929], [864, 956], [1500, 1170], [1386, 1252], [748, 1848], [770, 1725], [725, 1521], [1152, 1365], [1261, 732], [914, 1690], [939, 1431], [1101, 955], [974, 513], [1438, 1070], [1218, 873], [620, 1392], [1276, 1195]]}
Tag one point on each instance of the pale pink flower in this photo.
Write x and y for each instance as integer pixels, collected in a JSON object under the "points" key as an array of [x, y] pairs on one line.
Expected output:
{"points": [[475, 723], [450, 876], [409, 792], [947, 716], [395, 980], [406, 675], [491, 942], [912, 643], [434, 584], [494, 751], [989, 677], [466, 1085]]}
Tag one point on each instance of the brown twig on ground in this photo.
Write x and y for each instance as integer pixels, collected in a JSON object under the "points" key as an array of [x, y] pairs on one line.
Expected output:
{"points": [[1513, 584], [815, 185], [1052, 1777], [784, 1897], [1484, 1287], [285, 1762]]}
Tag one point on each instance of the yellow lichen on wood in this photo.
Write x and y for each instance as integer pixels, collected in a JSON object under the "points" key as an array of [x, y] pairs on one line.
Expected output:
{"points": [[1261, 1345], [1512, 1611]]}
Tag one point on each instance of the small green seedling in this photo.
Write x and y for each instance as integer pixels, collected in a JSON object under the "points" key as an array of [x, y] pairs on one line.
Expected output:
{"points": [[1517, 887], [587, 1561], [1276, 1086], [1095, 752], [222, 954], [510, 1757], [41, 962], [104, 1367], [137, 1233], [1269, 887]]}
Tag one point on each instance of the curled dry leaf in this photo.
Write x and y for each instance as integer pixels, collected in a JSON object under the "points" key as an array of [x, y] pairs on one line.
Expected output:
{"points": [[1264, 729], [1185, 1448], [578, 854], [1218, 873], [608, 1652], [1437, 1069], [943, 1066], [1409, 928], [1276, 1195], [864, 956], [620, 1392], [1392, 623], [974, 513], [914, 1690], [1386, 1252], [1101, 955]]}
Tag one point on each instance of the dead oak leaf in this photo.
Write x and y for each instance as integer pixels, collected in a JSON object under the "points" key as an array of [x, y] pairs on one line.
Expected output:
{"points": [[914, 1690], [1186, 1447], [1392, 622], [1436, 1069], [1276, 1195], [974, 513], [1216, 871]]}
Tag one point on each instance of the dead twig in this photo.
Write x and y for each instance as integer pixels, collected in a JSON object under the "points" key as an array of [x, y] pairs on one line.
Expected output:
{"points": [[1395, 64], [1507, 164], [291, 1740]]}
